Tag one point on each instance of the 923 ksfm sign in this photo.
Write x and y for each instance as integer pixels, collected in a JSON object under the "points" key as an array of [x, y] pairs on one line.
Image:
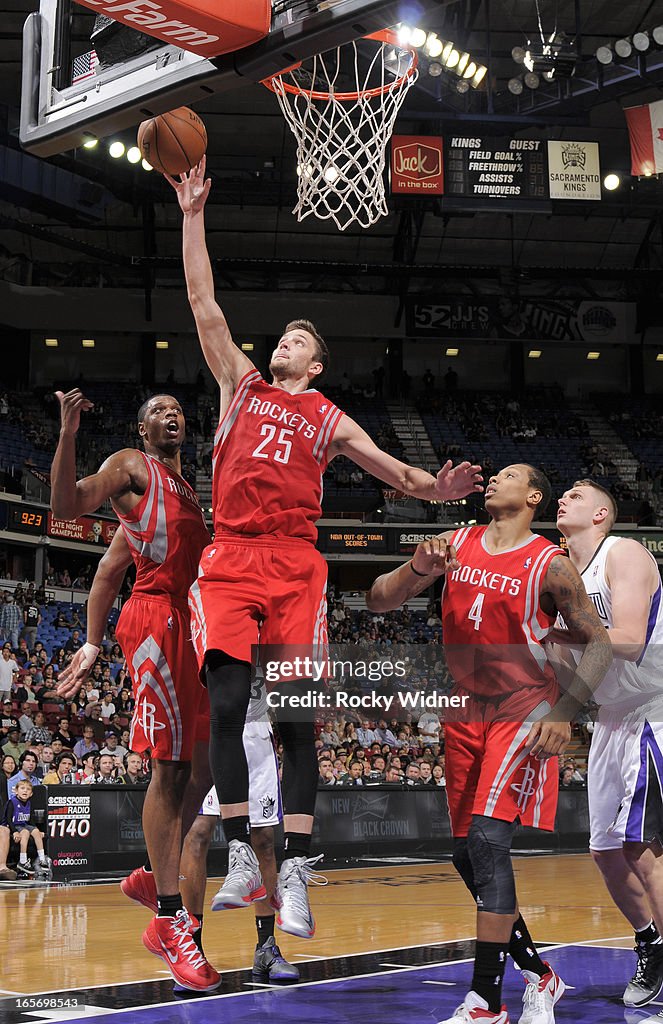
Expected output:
{"points": [[417, 165]]}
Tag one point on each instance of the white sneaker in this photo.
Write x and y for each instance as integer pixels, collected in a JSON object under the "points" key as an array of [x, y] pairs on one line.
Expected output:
{"points": [[540, 996], [290, 898], [243, 884], [474, 1010]]}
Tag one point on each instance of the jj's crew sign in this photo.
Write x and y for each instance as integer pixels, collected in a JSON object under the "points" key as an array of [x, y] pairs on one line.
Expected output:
{"points": [[417, 165], [495, 167]]}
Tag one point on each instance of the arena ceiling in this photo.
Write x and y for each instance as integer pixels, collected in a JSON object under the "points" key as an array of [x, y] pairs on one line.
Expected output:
{"points": [[251, 159]]}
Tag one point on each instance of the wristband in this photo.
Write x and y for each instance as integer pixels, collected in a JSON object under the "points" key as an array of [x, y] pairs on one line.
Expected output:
{"points": [[416, 571], [90, 651]]}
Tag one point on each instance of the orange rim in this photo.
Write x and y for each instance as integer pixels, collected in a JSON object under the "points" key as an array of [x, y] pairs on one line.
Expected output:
{"points": [[385, 36]]}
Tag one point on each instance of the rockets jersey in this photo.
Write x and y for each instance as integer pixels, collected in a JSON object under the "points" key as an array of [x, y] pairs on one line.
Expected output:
{"points": [[492, 622], [166, 533], [625, 681], [270, 451]]}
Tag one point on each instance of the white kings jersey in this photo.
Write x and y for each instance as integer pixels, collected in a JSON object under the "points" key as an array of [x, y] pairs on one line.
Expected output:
{"points": [[626, 682]]}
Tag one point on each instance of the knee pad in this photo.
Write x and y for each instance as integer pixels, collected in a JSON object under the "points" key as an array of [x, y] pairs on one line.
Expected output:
{"points": [[489, 850], [463, 865]]}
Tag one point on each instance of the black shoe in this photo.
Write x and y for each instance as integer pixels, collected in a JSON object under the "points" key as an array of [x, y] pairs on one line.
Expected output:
{"points": [[647, 981], [24, 870], [270, 965]]}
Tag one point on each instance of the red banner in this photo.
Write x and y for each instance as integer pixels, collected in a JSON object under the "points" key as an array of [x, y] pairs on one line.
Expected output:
{"points": [[645, 129], [417, 165], [88, 529]]}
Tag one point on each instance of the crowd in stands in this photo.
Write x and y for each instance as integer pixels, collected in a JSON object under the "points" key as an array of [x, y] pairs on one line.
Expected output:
{"points": [[86, 740]]}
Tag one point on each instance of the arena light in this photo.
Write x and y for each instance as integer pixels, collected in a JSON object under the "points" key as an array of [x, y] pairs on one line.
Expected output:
{"points": [[534, 353], [247, 346], [518, 54], [641, 41], [482, 71], [470, 71], [532, 80], [51, 342], [659, 357], [417, 37], [452, 59], [462, 63], [331, 174], [462, 86], [133, 155], [161, 344], [657, 35], [116, 149], [91, 143], [604, 55], [515, 86], [88, 343], [452, 352], [623, 48], [611, 182], [146, 167], [593, 356], [435, 69], [434, 45]]}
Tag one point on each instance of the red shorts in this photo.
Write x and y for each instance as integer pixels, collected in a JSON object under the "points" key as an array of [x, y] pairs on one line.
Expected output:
{"points": [[171, 704], [260, 590], [490, 772]]}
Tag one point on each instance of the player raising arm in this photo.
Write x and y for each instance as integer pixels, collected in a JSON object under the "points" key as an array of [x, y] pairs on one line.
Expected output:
{"points": [[164, 532], [262, 580], [501, 768]]}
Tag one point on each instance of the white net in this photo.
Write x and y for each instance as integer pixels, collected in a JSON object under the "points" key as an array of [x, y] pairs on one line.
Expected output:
{"points": [[341, 108]]}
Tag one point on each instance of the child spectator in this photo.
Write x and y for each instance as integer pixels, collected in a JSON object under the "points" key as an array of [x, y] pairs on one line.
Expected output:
{"points": [[19, 821]]}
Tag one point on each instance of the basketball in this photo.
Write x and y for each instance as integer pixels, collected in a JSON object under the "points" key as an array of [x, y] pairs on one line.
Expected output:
{"points": [[173, 142]]}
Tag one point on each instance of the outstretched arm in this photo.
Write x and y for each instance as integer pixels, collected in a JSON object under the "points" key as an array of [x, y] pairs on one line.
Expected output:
{"points": [[105, 588], [225, 360], [564, 586], [450, 483], [119, 475], [431, 559]]}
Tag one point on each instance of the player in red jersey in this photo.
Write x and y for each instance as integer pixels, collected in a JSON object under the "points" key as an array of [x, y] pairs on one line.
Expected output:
{"points": [[498, 604], [262, 579], [164, 529]]}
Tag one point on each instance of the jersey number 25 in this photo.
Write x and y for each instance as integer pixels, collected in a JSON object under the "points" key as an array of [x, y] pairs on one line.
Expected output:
{"points": [[282, 447]]}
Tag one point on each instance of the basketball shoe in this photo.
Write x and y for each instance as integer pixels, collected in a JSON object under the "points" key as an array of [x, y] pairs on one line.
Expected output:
{"points": [[647, 981], [290, 899], [140, 887], [540, 997], [474, 1010], [170, 938], [270, 965], [243, 884]]}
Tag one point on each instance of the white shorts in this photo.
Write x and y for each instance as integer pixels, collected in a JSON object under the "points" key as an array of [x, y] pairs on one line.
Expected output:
{"points": [[265, 806], [625, 780]]}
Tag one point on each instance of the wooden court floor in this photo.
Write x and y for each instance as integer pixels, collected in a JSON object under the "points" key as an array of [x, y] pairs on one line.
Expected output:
{"points": [[76, 936]]}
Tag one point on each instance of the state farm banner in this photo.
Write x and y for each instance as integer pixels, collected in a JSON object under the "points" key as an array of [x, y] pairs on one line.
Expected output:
{"points": [[88, 529], [526, 319], [417, 166], [574, 171]]}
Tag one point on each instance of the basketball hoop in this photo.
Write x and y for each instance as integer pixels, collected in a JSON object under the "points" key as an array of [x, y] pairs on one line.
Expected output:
{"points": [[342, 134]]}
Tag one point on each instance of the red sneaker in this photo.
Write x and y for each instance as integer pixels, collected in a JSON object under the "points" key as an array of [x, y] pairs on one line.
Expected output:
{"points": [[140, 887], [170, 938]]}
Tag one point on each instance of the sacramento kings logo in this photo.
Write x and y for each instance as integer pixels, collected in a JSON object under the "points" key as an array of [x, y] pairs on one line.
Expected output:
{"points": [[267, 803], [574, 155]]}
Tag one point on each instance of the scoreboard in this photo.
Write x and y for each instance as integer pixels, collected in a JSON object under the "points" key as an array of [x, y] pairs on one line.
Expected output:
{"points": [[489, 167]]}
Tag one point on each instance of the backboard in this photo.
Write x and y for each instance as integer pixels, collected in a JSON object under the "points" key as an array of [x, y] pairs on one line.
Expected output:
{"points": [[84, 77]]}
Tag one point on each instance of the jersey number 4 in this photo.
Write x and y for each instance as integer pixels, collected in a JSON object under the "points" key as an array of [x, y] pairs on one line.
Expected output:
{"points": [[282, 446], [474, 613]]}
